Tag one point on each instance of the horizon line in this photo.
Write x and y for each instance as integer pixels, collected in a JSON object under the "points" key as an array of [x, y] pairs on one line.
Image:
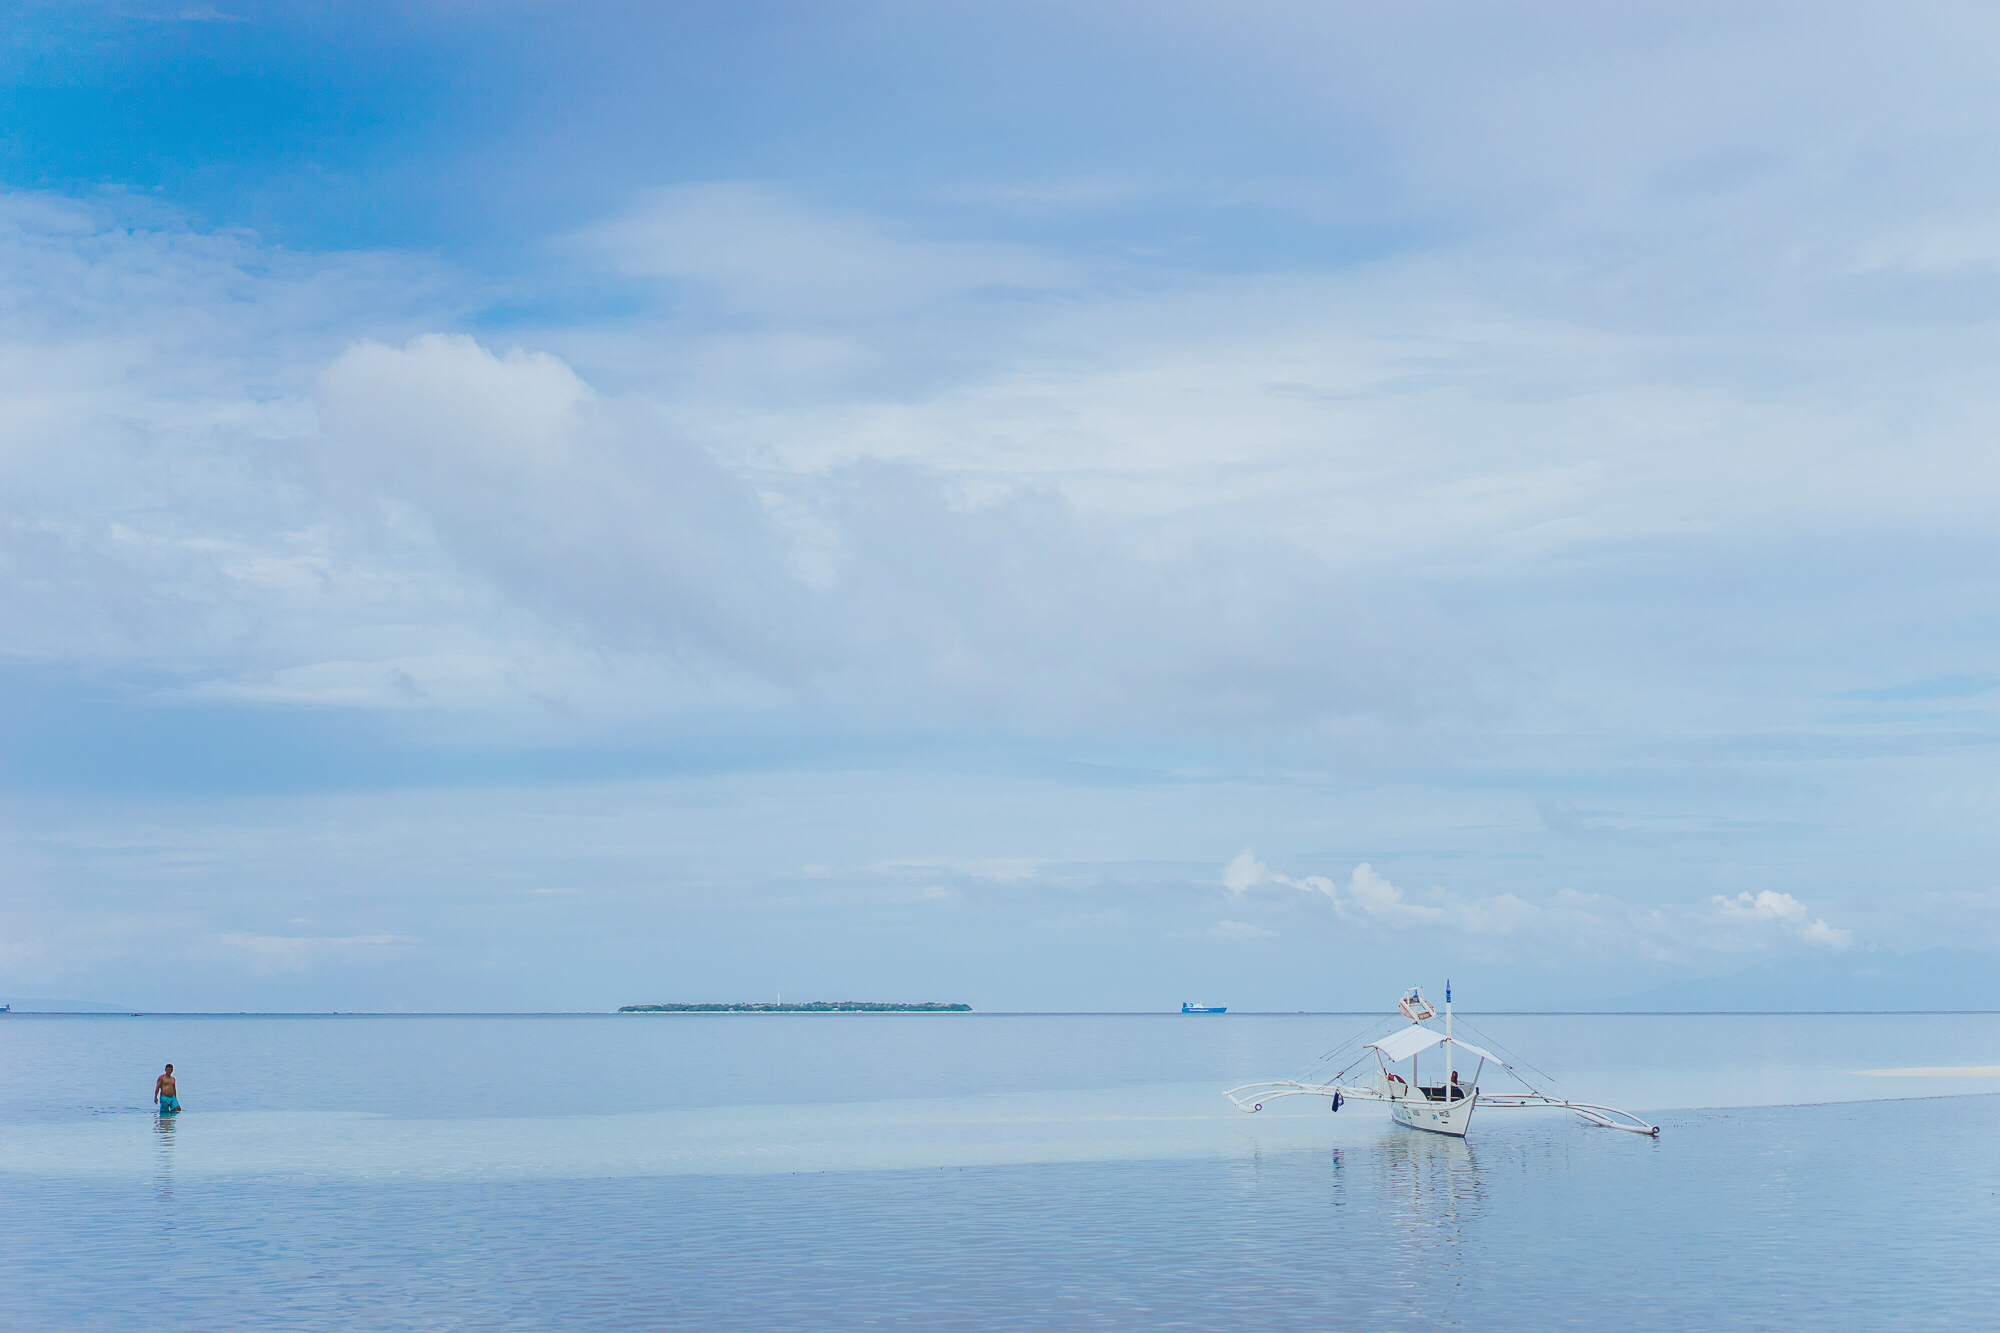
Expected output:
{"points": [[963, 1013]]}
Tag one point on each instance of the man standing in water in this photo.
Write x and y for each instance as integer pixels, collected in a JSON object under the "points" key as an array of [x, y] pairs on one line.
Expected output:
{"points": [[167, 1093]]}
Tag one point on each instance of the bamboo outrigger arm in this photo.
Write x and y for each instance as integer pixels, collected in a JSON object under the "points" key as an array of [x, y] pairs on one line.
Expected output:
{"points": [[1610, 1117]]}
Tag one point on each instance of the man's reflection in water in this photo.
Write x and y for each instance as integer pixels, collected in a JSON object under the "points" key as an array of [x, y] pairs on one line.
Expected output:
{"points": [[164, 1128]]}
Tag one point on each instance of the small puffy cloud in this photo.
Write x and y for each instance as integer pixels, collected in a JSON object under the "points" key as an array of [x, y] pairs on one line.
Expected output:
{"points": [[1244, 871], [1368, 894], [1787, 912], [1240, 930], [1379, 900], [444, 401]]}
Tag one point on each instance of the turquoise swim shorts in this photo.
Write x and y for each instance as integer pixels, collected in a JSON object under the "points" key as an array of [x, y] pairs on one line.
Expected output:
{"points": [[170, 1105]]}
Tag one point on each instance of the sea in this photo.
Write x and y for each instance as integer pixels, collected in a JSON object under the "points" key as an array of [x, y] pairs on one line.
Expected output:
{"points": [[987, 1171]]}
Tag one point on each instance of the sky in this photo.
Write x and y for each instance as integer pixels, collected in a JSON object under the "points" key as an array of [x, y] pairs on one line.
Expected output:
{"points": [[525, 506]]}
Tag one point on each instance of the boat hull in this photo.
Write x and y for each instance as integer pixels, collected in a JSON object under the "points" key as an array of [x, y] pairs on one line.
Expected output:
{"points": [[1434, 1117]]}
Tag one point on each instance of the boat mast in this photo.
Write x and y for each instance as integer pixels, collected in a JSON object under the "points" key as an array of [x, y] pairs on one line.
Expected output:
{"points": [[1447, 1045]]}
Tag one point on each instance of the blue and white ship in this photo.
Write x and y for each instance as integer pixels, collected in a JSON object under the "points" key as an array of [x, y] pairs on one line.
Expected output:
{"points": [[1187, 1008]]}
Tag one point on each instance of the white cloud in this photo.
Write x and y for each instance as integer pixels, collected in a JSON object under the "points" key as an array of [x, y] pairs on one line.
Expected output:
{"points": [[1468, 503], [1379, 900], [1082, 194], [1629, 394], [999, 869], [1204, 500], [1244, 871], [1015, 605], [759, 249], [298, 953], [1566, 918], [1368, 896], [1240, 930], [454, 680], [1786, 911], [1005, 869]]}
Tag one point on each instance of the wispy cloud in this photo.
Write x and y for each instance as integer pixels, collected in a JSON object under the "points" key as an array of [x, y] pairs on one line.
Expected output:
{"points": [[750, 247], [444, 679], [1961, 686], [299, 953], [1240, 930]]}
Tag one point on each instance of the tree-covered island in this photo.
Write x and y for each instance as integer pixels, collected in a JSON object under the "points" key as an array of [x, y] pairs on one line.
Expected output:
{"points": [[816, 1007]]}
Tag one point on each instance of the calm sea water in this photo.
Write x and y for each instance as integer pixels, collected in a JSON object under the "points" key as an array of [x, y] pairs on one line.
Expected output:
{"points": [[821, 1172]]}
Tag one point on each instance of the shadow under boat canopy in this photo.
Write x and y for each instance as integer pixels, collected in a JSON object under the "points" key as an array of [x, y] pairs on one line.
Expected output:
{"points": [[1445, 1107]]}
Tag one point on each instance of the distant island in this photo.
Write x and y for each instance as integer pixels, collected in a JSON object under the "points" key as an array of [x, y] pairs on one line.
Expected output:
{"points": [[816, 1007]]}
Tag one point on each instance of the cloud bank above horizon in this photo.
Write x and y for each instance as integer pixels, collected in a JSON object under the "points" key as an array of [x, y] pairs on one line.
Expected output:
{"points": [[669, 496]]}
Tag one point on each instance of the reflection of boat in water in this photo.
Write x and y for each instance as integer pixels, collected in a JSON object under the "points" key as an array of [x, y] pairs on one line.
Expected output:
{"points": [[1442, 1107], [1187, 1008]]}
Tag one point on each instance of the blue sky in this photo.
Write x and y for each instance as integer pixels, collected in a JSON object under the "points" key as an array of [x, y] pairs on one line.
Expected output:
{"points": [[520, 506]]}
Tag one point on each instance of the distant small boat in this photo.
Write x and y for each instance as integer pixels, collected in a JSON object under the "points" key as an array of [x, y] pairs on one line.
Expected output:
{"points": [[1187, 1008]]}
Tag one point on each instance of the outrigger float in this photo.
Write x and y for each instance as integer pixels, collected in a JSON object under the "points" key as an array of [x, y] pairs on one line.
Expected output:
{"points": [[1444, 1107]]}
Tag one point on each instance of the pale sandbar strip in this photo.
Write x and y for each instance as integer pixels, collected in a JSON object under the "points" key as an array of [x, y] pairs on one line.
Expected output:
{"points": [[1938, 1071]]}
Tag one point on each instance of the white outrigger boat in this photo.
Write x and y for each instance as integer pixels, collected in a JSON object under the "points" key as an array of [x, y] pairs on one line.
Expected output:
{"points": [[1442, 1108]]}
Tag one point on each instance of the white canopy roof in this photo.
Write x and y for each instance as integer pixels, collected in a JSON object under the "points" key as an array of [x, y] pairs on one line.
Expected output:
{"points": [[1416, 1037]]}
